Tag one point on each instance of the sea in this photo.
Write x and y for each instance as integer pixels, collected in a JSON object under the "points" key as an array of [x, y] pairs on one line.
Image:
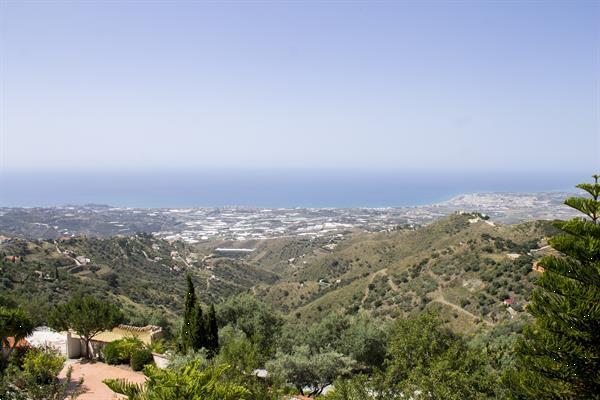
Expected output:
{"points": [[265, 188]]}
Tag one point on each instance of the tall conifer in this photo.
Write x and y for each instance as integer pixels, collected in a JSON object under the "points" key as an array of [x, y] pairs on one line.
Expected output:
{"points": [[212, 331], [198, 330], [188, 317], [559, 355]]}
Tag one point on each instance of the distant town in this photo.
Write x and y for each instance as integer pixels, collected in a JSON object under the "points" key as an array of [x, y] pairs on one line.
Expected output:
{"points": [[194, 225]]}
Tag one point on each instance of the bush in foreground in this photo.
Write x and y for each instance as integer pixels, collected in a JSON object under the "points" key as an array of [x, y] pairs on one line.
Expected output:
{"points": [[188, 382], [37, 378]]}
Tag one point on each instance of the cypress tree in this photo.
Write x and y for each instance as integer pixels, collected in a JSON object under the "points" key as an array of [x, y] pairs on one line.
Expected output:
{"points": [[198, 330], [559, 355], [186, 342], [212, 332]]}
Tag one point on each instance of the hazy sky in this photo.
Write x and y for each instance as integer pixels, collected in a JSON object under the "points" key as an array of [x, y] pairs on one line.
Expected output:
{"points": [[505, 86]]}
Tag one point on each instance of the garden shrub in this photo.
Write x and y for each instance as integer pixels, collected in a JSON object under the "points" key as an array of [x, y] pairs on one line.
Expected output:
{"points": [[121, 351], [140, 358], [112, 354], [43, 365]]}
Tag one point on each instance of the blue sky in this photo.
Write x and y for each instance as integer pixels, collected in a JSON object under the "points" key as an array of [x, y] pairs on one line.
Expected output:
{"points": [[452, 86]]}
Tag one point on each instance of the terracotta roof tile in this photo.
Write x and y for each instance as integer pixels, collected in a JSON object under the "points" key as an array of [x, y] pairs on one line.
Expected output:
{"points": [[21, 343]]}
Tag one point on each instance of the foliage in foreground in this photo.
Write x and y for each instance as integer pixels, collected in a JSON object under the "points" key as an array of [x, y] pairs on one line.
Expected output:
{"points": [[36, 377], [189, 382]]}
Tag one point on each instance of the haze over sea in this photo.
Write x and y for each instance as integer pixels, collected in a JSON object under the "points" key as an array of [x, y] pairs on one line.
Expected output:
{"points": [[261, 188]]}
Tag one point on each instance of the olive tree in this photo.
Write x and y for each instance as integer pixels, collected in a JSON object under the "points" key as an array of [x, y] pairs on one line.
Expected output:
{"points": [[312, 371]]}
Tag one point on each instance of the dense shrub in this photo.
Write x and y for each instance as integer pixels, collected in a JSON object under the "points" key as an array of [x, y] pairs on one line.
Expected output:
{"points": [[38, 377], [140, 358], [112, 354], [121, 351], [43, 365]]}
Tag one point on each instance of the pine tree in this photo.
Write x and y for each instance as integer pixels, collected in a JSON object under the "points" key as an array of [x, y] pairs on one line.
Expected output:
{"points": [[212, 332], [87, 316], [185, 343], [559, 355]]}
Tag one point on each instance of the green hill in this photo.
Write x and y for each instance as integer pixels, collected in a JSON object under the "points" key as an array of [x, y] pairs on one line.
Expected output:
{"points": [[462, 265], [143, 273]]}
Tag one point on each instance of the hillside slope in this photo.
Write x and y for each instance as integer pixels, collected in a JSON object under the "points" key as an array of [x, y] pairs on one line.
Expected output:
{"points": [[143, 273], [462, 265]]}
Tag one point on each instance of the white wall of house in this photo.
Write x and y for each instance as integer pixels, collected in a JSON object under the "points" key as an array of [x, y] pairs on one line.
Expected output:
{"points": [[73, 346], [44, 336]]}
